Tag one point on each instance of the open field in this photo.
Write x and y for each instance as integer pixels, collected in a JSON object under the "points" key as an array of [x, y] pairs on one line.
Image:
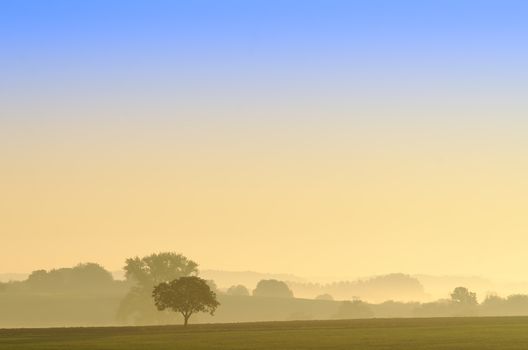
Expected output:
{"points": [[416, 334]]}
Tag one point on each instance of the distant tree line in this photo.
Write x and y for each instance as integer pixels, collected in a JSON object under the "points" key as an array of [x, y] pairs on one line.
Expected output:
{"points": [[379, 288], [159, 287], [87, 277]]}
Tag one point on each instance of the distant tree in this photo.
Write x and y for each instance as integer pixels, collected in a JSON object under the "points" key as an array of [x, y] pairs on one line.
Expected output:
{"points": [[493, 305], [463, 302], [493, 299], [90, 274], [146, 273], [238, 290], [156, 268], [273, 289], [82, 276], [37, 278], [354, 309], [186, 295], [324, 297], [513, 305], [463, 296]]}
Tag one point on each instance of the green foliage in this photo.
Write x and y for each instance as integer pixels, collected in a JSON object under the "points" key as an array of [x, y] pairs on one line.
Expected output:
{"points": [[272, 289], [185, 295]]}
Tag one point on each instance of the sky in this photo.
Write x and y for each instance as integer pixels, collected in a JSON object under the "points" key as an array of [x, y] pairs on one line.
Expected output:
{"points": [[320, 138]]}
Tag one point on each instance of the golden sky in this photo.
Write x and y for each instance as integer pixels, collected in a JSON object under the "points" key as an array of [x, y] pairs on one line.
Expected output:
{"points": [[316, 199]]}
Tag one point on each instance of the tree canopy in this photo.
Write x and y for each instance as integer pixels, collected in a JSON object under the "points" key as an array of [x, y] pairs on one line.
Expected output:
{"points": [[146, 273], [273, 288], [156, 268], [186, 295], [85, 276], [238, 290], [463, 296]]}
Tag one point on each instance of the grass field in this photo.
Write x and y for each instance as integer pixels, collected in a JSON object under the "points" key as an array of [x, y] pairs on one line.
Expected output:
{"points": [[415, 334]]}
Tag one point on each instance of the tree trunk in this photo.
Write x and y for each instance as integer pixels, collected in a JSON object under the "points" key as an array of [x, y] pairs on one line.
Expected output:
{"points": [[185, 320]]}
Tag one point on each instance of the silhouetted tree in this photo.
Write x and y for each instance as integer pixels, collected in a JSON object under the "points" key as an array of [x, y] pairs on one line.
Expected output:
{"points": [[146, 273], [463, 296], [324, 297], [186, 295], [463, 302], [272, 288], [213, 286], [238, 290]]}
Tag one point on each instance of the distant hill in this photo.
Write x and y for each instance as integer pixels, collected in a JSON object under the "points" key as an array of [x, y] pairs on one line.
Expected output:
{"points": [[402, 287], [225, 279], [395, 286], [374, 289]]}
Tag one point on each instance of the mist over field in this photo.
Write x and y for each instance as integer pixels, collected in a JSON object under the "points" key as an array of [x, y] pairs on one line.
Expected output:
{"points": [[89, 295]]}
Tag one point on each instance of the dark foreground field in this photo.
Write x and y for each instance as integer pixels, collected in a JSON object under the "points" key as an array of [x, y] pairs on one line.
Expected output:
{"points": [[415, 334]]}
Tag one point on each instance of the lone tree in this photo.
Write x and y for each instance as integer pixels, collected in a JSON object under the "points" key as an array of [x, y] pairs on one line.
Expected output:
{"points": [[463, 296], [145, 273], [186, 295]]}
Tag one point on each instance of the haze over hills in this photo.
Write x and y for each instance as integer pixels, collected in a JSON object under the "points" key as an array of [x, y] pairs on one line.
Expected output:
{"points": [[434, 287], [225, 279], [89, 295]]}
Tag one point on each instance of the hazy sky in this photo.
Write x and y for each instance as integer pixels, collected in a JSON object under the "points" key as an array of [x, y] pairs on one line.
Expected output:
{"points": [[341, 138]]}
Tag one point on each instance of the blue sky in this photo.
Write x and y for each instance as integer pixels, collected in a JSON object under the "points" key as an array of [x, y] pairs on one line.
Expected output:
{"points": [[287, 50]]}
